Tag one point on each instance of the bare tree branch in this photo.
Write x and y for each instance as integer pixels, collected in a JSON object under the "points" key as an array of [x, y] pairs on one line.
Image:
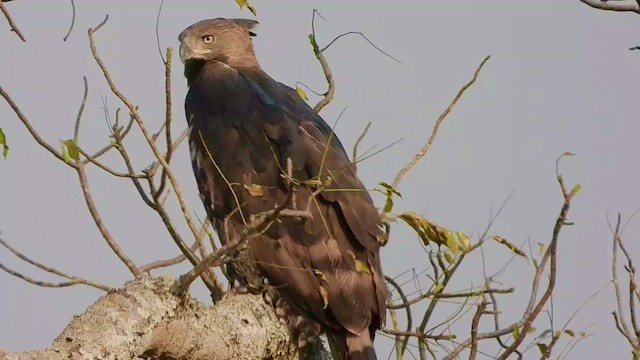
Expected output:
{"points": [[12, 24], [84, 184], [612, 6], [75, 280], [31, 129], [423, 151]]}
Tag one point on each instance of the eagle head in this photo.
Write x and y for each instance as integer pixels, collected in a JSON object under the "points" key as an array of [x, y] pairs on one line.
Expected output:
{"points": [[223, 40]]}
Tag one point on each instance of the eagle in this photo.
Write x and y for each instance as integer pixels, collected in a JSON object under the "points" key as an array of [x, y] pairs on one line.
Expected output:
{"points": [[255, 145]]}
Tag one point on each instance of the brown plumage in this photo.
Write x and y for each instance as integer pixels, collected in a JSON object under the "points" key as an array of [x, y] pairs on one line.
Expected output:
{"points": [[244, 126]]}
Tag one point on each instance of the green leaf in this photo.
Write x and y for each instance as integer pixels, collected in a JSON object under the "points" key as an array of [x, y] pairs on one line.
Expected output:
{"points": [[3, 144], [569, 332], [438, 288], [515, 332], [448, 257], [389, 191], [575, 189], [70, 150], [301, 93]]}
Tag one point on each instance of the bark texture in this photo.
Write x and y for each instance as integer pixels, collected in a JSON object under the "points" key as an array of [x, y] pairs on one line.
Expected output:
{"points": [[144, 319]]}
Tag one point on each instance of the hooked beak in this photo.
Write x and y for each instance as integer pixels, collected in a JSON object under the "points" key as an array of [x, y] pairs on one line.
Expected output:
{"points": [[188, 53], [185, 52]]}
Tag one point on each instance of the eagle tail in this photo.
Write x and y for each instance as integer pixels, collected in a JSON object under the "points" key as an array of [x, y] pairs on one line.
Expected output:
{"points": [[347, 346]]}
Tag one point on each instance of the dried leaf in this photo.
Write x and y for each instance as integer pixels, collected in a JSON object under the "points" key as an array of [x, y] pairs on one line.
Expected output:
{"points": [[301, 93], [254, 189], [509, 245], [568, 153], [320, 275], [243, 3], [325, 297], [543, 348], [569, 332]]}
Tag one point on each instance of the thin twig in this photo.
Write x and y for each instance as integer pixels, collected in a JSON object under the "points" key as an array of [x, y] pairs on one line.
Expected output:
{"points": [[354, 154], [108, 169], [365, 38], [76, 129], [158, 32], [400, 341], [186, 212], [612, 6], [474, 328], [75, 280], [425, 148], [30, 128], [168, 262], [251, 229], [73, 20], [549, 256], [12, 24], [167, 117], [84, 184]]}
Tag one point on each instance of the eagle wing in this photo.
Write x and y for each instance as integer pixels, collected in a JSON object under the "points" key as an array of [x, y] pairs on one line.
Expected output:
{"points": [[244, 128]]}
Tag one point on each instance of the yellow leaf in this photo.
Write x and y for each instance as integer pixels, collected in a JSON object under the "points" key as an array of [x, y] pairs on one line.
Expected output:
{"points": [[541, 247], [301, 93], [362, 266], [438, 288], [452, 244], [465, 243], [254, 189], [576, 189], [325, 297], [243, 3]]}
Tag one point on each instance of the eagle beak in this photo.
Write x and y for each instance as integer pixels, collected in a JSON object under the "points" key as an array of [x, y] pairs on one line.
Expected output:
{"points": [[185, 52]]}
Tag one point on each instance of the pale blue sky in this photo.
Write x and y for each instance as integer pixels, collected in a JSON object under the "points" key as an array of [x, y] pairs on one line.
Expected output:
{"points": [[560, 79]]}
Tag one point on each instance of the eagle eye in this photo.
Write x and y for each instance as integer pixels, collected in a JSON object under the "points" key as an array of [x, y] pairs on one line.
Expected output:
{"points": [[208, 39]]}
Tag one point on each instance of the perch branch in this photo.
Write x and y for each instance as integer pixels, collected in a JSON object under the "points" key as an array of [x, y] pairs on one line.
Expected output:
{"points": [[143, 320]]}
